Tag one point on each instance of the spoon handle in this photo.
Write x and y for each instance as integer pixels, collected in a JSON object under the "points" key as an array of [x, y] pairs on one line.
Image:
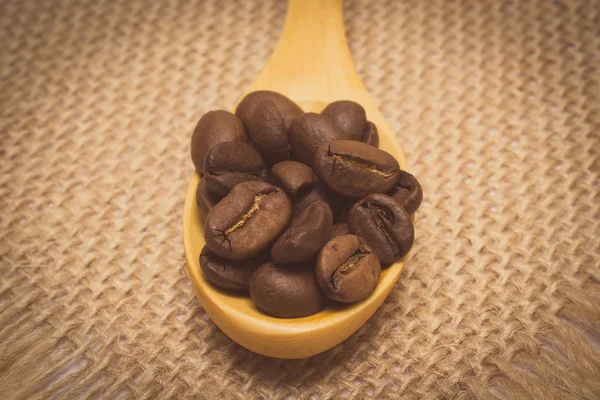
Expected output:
{"points": [[312, 59]]}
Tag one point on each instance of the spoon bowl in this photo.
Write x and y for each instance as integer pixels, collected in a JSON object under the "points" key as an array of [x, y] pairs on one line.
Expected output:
{"points": [[311, 65]]}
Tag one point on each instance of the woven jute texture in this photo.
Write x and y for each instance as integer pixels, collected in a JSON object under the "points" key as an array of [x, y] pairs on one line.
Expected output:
{"points": [[495, 103]]}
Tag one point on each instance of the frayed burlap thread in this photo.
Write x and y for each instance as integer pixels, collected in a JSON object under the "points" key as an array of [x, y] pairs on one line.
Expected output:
{"points": [[495, 103]]}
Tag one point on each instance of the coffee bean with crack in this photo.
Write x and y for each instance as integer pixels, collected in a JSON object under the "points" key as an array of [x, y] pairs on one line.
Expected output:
{"points": [[407, 192], [286, 107], [247, 221], [307, 132], [371, 136], [205, 200], [229, 274], [215, 127], [227, 164], [347, 269], [293, 177], [286, 292], [384, 225], [349, 116], [305, 236], [268, 133], [355, 169]]}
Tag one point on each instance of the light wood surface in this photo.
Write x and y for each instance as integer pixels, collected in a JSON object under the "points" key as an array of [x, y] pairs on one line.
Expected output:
{"points": [[312, 65]]}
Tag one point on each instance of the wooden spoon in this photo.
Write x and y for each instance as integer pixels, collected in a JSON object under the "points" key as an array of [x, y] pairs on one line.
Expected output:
{"points": [[312, 66]]}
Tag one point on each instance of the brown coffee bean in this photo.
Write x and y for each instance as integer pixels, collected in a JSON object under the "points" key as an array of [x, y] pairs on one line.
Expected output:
{"points": [[229, 274], [229, 163], [288, 109], [344, 208], [349, 116], [305, 236], [371, 136], [339, 229], [384, 225], [205, 200], [215, 127], [317, 192], [268, 134], [286, 292], [307, 132], [407, 192], [293, 177], [355, 169], [347, 269], [247, 221]]}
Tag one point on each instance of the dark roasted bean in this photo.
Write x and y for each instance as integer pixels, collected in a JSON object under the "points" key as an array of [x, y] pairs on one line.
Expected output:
{"points": [[227, 164], [268, 133], [305, 236], [247, 221], [307, 132], [205, 200], [288, 109], [349, 116], [347, 269], [407, 192], [371, 136], [384, 225], [215, 127], [355, 169], [229, 274], [286, 292], [293, 177], [339, 229]]}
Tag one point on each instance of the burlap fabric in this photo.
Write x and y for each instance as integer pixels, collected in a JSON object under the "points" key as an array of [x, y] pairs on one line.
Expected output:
{"points": [[495, 103]]}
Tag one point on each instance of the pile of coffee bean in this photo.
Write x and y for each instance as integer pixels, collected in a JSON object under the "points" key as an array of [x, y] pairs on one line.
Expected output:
{"points": [[299, 208]]}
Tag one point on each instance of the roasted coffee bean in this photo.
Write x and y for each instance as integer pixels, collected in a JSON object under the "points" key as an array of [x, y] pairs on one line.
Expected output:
{"points": [[349, 116], [305, 236], [339, 229], [205, 200], [343, 209], [215, 127], [307, 132], [288, 109], [355, 169], [407, 192], [229, 274], [268, 134], [317, 192], [286, 292], [384, 225], [293, 177], [347, 269], [371, 136], [227, 164], [333, 239], [247, 221]]}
